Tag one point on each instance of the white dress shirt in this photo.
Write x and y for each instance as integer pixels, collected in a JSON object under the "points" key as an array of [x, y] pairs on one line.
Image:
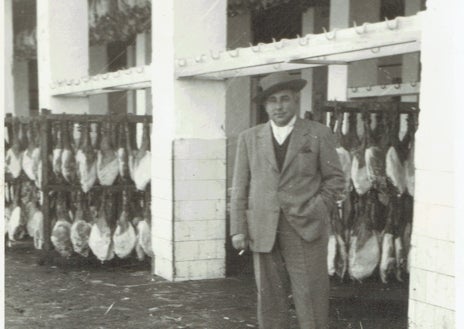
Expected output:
{"points": [[281, 133]]}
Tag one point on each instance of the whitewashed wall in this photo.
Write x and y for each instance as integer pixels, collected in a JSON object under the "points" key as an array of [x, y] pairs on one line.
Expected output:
{"points": [[432, 285]]}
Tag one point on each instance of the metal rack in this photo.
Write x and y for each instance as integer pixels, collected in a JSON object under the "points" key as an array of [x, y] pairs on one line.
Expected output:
{"points": [[46, 119]]}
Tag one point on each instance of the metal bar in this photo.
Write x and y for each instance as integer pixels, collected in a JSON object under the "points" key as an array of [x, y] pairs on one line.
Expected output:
{"points": [[384, 90], [317, 62], [373, 107], [44, 139], [99, 118]]}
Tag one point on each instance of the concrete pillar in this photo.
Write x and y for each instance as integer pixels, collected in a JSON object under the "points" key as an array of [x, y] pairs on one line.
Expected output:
{"points": [[189, 147], [363, 73], [62, 51], [21, 87], [338, 74], [8, 59], [142, 57], [306, 95], [410, 68], [432, 277], [130, 60], [238, 97], [98, 64]]}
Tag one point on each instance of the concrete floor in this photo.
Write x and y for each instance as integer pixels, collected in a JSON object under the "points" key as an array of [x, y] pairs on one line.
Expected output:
{"points": [[50, 293]]}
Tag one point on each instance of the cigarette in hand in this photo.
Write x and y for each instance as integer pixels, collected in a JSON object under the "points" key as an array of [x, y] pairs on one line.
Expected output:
{"points": [[241, 252]]}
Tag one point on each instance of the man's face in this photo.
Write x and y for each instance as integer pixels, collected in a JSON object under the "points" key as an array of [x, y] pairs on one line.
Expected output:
{"points": [[281, 106]]}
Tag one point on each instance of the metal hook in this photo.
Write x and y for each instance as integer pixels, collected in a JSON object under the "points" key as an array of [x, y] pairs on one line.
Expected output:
{"points": [[53, 85], [181, 62], [278, 45], [213, 56], [369, 88], [96, 78], [413, 84], [395, 23], [397, 85], [276, 66], [85, 79], [255, 49], [129, 71], [199, 59], [77, 82], [375, 50], [140, 69], [354, 89], [305, 42], [383, 86], [233, 53], [362, 30], [69, 82], [116, 74], [329, 35], [105, 76]]}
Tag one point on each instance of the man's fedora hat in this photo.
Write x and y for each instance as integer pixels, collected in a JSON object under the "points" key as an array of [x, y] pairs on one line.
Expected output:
{"points": [[276, 82]]}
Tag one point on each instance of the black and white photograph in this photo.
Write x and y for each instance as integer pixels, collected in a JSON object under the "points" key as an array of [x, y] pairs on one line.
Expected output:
{"points": [[232, 164]]}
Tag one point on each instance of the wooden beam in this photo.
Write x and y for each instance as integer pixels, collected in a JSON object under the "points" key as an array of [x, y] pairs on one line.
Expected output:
{"points": [[397, 89], [399, 36], [129, 79]]}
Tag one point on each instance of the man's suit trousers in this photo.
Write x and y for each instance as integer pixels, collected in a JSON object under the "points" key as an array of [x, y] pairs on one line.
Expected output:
{"points": [[297, 267]]}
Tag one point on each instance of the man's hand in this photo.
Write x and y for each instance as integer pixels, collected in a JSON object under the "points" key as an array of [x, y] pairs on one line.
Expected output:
{"points": [[239, 242]]}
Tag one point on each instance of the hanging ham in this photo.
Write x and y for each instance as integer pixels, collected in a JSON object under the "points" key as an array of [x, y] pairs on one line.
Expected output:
{"points": [[100, 239], [17, 222], [394, 159], [141, 161], [86, 159], [364, 250], [124, 236], [337, 251], [123, 156], [31, 155], [375, 156], [13, 157], [80, 229], [61, 232], [107, 161], [359, 171], [68, 160], [343, 153], [57, 151], [143, 228]]}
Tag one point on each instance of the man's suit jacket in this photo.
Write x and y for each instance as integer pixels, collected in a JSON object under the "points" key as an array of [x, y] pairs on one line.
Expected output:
{"points": [[304, 190]]}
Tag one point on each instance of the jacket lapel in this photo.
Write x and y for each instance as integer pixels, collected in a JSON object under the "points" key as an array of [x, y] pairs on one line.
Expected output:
{"points": [[297, 141], [266, 147]]}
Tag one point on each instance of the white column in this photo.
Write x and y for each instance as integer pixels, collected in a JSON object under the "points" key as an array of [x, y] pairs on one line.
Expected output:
{"points": [[239, 107], [62, 51], [98, 64], [188, 178], [432, 278], [306, 95], [363, 73], [130, 60], [21, 87], [142, 57], [337, 83], [8, 60]]}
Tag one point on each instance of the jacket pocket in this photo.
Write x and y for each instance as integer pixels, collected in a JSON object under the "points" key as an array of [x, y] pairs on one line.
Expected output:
{"points": [[307, 163]]}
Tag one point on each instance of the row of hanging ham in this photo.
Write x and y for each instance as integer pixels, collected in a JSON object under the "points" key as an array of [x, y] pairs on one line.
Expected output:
{"points": [[91, 230], [78, 160], [371, 229]]}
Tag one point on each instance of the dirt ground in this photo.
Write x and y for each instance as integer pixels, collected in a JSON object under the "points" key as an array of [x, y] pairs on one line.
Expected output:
{"points": [[50, 293]]}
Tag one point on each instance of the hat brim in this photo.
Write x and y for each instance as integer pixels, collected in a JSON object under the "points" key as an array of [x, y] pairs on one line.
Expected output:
{"points": [[295, 85]]}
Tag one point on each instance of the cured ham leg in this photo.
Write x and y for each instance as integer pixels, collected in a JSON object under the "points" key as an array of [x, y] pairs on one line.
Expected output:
{"points": [[364, 250], [13, 157], [68, 160], [61, 232], [100, 239], [124, 236], [107, 161], [80, 229], [86, 158], [142, 161]]}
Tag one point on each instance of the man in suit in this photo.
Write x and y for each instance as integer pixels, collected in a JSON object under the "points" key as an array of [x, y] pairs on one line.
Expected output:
{"points": [[287, 177]]}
